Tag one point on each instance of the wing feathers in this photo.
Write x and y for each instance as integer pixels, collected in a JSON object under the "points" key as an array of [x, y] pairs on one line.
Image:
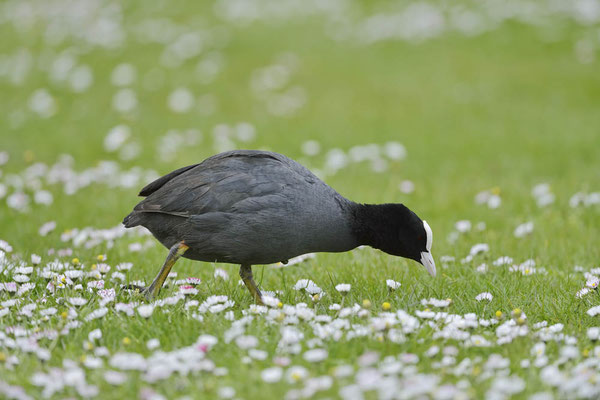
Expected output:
{"points": [[157, 184]]}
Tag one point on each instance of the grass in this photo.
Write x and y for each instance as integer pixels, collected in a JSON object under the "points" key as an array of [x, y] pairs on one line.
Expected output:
{"points": [[505, 109]]}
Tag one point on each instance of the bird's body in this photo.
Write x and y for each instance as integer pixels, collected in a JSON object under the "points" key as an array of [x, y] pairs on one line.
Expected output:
{"points": [[256, 207], [246, 207]]}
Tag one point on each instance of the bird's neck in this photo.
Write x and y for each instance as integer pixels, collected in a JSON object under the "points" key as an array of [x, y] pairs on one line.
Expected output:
{"points": [[371, 224]]}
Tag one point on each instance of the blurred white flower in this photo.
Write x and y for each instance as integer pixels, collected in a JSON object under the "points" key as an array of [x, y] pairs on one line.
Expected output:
{"points": [[542, 195], [18, 200], [271, 375], [43, 197], [484, 296], [593, 333], [315, 355], [270, 301], [77, 301], [128, 361], [492, 200], [4, 157], [123, 75], [463, 226], [503, 261], [81, 78], [523, 229], [116, 137], [246, 342], [395, 150], [592, 282], [42, 103], [436, 302], [343, 288], [582, 292], [309, 286], [296, 374], [245, 132], [406, 187], [124, 101], [97, 314], [21, 278], [94, 335], [47, 228], [115, 378], [226, 392], [181, 100], [592, 312], [392, 284], [311, 148], [145, 310], [221, 273]]}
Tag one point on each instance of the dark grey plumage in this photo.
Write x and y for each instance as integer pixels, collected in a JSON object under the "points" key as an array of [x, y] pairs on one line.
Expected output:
{"points": [[245, 207], [256, 207]]}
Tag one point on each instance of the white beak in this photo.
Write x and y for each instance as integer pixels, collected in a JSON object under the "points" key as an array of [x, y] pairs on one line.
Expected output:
{"points": [[428, 263]]}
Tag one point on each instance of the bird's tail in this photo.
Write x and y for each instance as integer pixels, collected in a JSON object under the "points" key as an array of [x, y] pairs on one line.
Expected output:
{"points": [[131, 220]]}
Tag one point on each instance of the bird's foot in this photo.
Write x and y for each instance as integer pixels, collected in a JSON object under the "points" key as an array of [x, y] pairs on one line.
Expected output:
{"points": [[145, 291]]}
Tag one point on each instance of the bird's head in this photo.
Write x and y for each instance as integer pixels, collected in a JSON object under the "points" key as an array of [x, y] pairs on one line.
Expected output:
{"points": [[400, 232]]}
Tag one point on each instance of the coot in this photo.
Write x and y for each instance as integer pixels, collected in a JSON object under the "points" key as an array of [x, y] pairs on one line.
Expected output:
{"points": [[257, 207]]}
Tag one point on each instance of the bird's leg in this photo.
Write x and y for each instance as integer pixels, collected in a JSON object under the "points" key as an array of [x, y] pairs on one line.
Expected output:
{"points": [[152, 291], [246, 275]]}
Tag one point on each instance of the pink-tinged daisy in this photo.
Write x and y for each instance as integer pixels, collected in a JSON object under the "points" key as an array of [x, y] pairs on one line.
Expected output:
{"points": [[106, 294], [188, 290], [95, 284], [592, 282], [10, 287], [193, 281]]}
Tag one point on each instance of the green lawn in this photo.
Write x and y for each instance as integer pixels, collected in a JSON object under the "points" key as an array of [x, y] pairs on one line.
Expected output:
{"points": [[502, 111]]}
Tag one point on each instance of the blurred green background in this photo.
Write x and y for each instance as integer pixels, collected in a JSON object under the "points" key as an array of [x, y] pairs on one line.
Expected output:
{"points": [[482, 95]]}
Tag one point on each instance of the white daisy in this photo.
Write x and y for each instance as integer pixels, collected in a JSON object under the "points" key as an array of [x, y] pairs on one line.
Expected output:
{"points": [[343, 288], [484, 296]]}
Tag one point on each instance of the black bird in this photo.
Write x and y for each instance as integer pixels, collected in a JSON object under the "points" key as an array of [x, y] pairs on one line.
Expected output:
{"points": [[256, 207]]}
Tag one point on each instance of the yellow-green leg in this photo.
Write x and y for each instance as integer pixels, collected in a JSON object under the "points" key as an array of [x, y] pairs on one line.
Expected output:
{"points": [[152, 291], [246, 275]]}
